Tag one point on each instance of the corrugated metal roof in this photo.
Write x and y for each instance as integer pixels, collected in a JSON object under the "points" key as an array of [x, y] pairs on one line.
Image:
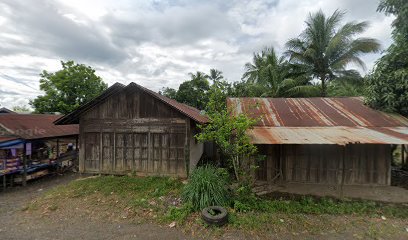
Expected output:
{"points": [[186, 110], [320, 121], [314, 112], [325, 135], [34, 126]]}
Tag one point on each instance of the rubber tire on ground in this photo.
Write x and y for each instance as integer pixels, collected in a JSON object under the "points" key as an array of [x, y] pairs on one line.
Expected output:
{"points": [[219, 219]]}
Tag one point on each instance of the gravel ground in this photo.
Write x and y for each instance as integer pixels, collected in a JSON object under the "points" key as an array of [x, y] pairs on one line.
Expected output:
{"points": [[17, 224]]}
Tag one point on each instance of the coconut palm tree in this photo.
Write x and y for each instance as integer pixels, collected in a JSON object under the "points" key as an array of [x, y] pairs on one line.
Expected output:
{"points": [[215, 75], [325, 48], [274, 77]]}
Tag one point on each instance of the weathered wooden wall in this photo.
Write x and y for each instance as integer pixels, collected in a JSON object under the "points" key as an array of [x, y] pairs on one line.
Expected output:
{"points": [[363, 164], [134, 132]]}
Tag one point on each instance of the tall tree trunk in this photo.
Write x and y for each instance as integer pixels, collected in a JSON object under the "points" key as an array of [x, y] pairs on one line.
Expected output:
{"points": [[235, 163], [323, 79]]}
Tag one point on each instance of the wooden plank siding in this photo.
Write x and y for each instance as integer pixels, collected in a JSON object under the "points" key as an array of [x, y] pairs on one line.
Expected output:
{"points": [[363, 164], [132, 132]]}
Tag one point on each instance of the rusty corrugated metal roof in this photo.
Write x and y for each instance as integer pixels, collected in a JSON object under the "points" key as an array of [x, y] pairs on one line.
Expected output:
{"points": [[314, 112], [35, 126], [325, 135], [320, 121]]}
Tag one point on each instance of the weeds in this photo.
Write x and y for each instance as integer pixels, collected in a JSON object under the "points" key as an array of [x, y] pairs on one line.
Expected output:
{"points": [[159, 199]]}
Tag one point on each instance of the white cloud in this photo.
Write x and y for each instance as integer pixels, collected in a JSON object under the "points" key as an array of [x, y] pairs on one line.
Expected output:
{"points": [[154, 43]]}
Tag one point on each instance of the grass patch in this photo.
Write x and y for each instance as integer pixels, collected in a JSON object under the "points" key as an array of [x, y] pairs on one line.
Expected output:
{"points": [[124, 186], [158, 199], [309, 205]]}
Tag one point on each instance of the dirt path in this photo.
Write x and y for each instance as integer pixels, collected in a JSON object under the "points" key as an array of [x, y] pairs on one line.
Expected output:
{"points": [[16, 224]]}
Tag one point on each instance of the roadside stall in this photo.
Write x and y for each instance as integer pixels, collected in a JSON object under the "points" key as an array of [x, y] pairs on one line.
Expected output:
{"points": [[31, 146]]}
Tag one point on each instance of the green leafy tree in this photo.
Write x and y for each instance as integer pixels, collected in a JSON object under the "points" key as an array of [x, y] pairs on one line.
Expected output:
{"points": [[388, 83], [169, 92], [271, 76], [21, 109], [228, 131], [245, 88], [325, 48], [353, 87], [194, 92], [68, 88]]}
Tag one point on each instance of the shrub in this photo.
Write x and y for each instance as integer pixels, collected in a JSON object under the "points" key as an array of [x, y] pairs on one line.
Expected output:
{"points": [[207, 186]]}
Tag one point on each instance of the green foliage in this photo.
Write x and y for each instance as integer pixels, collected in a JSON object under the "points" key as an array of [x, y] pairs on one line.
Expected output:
{"points": [[228, 131], [388, 83], [207, 186], [21, 109], [398, 8], [192, 92], [245, 88], [68, 88], [344, 86], [169, 92], [324, 49], [196, 91], [144, 187], [309, 205], [179, 214], [271, 76]]}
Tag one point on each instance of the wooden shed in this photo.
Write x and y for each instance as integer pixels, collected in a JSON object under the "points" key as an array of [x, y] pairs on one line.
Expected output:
{"points": [[322, 140], [131, 129]]}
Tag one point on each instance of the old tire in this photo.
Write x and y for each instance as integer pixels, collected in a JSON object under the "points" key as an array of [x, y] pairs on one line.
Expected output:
{"points": [[219, 219]]}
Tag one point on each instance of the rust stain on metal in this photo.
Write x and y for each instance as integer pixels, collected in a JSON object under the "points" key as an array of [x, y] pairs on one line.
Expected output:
{"points": [[320, 121]]}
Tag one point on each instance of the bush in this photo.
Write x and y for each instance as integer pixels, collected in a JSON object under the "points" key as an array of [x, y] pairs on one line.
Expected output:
{"points": [[207, 186]]}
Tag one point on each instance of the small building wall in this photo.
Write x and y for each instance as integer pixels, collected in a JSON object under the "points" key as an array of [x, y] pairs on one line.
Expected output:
{"points": [[196, 151], [134, 132], [354, 164]]}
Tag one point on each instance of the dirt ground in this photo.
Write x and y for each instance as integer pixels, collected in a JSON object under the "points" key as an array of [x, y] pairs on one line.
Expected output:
{"points": [[21, 225], [78, 220]]}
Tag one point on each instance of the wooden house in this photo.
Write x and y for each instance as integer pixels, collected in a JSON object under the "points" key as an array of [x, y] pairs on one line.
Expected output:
{"points": [[322, 140], [131, 129]]}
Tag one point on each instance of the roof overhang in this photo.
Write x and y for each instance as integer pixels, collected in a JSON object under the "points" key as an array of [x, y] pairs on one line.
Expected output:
{"points": [[329, 135]]}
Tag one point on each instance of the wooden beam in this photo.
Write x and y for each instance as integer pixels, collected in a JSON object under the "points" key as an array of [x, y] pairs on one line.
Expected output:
{"points": [[343, 171], [114, 152], [403, 163], [58, 148], [187, 148], [100, 151], [24, 164]]}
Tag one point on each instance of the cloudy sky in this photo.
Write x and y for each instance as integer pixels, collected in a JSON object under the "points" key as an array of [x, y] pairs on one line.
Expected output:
{"points": [[153, 43]]}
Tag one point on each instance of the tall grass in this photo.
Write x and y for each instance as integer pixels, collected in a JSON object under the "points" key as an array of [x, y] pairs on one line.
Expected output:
{"points": [[207, 186]]}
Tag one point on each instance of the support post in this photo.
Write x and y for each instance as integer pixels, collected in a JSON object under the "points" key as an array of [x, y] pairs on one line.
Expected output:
{"points": [[24, 164], [404, 165], [57, 148], [343, 172]]}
